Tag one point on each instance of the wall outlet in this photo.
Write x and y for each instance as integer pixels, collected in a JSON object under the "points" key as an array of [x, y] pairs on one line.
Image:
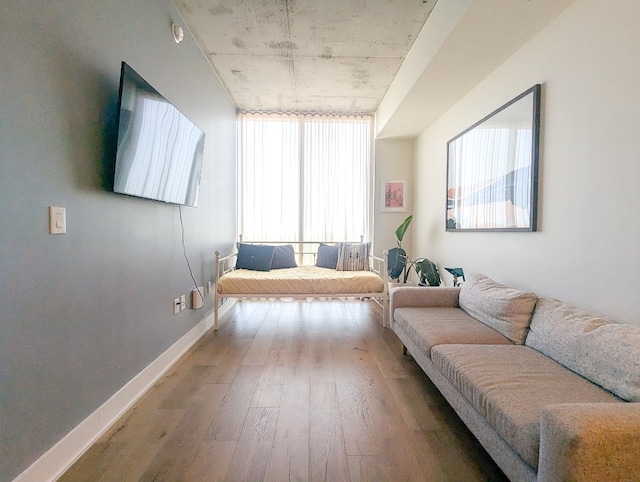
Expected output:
{"points": [[183, 302], [176, 306], [208, 287]]}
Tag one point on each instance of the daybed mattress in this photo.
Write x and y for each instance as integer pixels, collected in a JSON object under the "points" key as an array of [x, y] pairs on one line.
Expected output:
{"points": [[303, 280]]}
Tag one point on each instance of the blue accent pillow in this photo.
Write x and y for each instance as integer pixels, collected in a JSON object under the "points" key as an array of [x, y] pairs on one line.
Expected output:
{"points": [[256, 257], [283, 257], [328, 255]]}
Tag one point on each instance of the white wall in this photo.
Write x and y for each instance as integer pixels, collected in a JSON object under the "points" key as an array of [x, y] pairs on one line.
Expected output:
{"points": [[394, 161], [586, 249]]}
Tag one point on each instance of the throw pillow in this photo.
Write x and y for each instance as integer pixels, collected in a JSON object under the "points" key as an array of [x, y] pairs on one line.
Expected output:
{"points": [[328, 255], [283, 257], [600, 349], [256, 257], [507, 310], [353, 257]]}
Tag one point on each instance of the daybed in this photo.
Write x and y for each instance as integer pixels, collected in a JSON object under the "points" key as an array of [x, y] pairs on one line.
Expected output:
{"points": [[271, 270], [550, 391]]}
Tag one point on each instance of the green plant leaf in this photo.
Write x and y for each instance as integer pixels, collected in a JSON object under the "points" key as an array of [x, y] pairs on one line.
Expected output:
{"points": [[402, 229], [428, 272], [396, 261]]}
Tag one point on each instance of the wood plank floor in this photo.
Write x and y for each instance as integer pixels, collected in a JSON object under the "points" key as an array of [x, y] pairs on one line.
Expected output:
{"points": [[291, 391]]}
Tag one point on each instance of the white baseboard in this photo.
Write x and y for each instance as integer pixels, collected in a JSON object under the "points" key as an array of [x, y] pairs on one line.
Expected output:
{"points": [[57, 460]]}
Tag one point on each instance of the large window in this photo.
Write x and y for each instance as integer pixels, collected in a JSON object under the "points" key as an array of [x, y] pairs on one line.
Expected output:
{"points": [[304, 177]]}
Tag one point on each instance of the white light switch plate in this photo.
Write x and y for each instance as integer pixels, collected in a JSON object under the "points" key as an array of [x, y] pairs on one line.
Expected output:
{"points": [[57, 220]]}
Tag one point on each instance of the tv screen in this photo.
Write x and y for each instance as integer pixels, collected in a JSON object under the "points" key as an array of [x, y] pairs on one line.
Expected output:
{"points": [[159, 151]]}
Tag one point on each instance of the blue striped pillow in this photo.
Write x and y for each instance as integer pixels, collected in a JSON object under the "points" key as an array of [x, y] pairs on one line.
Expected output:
{"points": [[354, 257]]}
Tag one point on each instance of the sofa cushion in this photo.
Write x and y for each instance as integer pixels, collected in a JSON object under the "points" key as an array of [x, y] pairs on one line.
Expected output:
{"points": [[434, 326], [506, 310], [510, 385], [605, 352]]}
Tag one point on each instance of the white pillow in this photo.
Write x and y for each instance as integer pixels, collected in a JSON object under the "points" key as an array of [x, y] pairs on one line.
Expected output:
{"points": [[353, 257]]}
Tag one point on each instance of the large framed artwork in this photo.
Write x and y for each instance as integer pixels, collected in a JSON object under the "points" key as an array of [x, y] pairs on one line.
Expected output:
{"points": [[394, 196], [492, 169]]}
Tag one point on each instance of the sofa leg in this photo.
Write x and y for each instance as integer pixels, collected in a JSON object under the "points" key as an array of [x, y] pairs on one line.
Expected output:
{"points": [[404, 350]]}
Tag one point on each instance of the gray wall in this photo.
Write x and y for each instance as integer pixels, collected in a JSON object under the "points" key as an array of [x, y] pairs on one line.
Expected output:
{"points": [[586, 250], [83, 313]]}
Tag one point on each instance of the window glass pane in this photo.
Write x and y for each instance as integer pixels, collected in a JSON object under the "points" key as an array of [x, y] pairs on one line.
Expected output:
{"points": [[304, 177]]}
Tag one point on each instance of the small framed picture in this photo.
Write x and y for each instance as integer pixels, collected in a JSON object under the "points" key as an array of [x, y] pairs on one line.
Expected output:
{"points": [[394, 196]]}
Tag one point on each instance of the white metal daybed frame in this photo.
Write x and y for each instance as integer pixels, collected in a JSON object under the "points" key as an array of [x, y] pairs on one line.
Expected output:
{"points": [[376, 265]]}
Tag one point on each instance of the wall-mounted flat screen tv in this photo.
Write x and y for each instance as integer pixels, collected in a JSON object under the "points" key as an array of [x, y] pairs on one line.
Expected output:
{"points": [[159, 151]]}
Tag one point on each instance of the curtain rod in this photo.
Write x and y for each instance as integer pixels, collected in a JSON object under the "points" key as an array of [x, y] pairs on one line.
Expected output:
{"points": [[329, 114]]}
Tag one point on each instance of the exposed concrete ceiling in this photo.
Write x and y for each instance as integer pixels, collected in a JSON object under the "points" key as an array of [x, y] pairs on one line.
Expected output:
{"points": [[407, 60], [306, 55]]}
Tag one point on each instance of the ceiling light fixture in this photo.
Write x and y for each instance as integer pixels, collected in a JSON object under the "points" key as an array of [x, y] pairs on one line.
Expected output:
{"points": [[178, 33]]}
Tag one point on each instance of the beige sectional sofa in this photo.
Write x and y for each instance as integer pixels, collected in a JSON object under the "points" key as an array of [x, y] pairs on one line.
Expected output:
{"points": [[550, 391]]}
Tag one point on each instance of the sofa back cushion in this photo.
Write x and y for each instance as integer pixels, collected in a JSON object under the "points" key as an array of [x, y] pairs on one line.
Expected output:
{"points": [[506, 310], [601, 350]]}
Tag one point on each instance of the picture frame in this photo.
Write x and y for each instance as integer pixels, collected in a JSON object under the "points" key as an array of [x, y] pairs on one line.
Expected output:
{"points": [[393, 196], [492, 169]]}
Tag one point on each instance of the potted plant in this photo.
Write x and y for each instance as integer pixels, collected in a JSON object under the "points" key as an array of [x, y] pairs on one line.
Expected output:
{"points": [[399, 264]]}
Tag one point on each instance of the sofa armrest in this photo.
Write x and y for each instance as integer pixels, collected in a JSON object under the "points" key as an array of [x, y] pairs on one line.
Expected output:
{"points": [[421, 296], [589, 441]]}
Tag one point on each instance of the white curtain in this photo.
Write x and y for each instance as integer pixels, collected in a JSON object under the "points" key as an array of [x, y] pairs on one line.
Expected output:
{"points": [[304, 177]]}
